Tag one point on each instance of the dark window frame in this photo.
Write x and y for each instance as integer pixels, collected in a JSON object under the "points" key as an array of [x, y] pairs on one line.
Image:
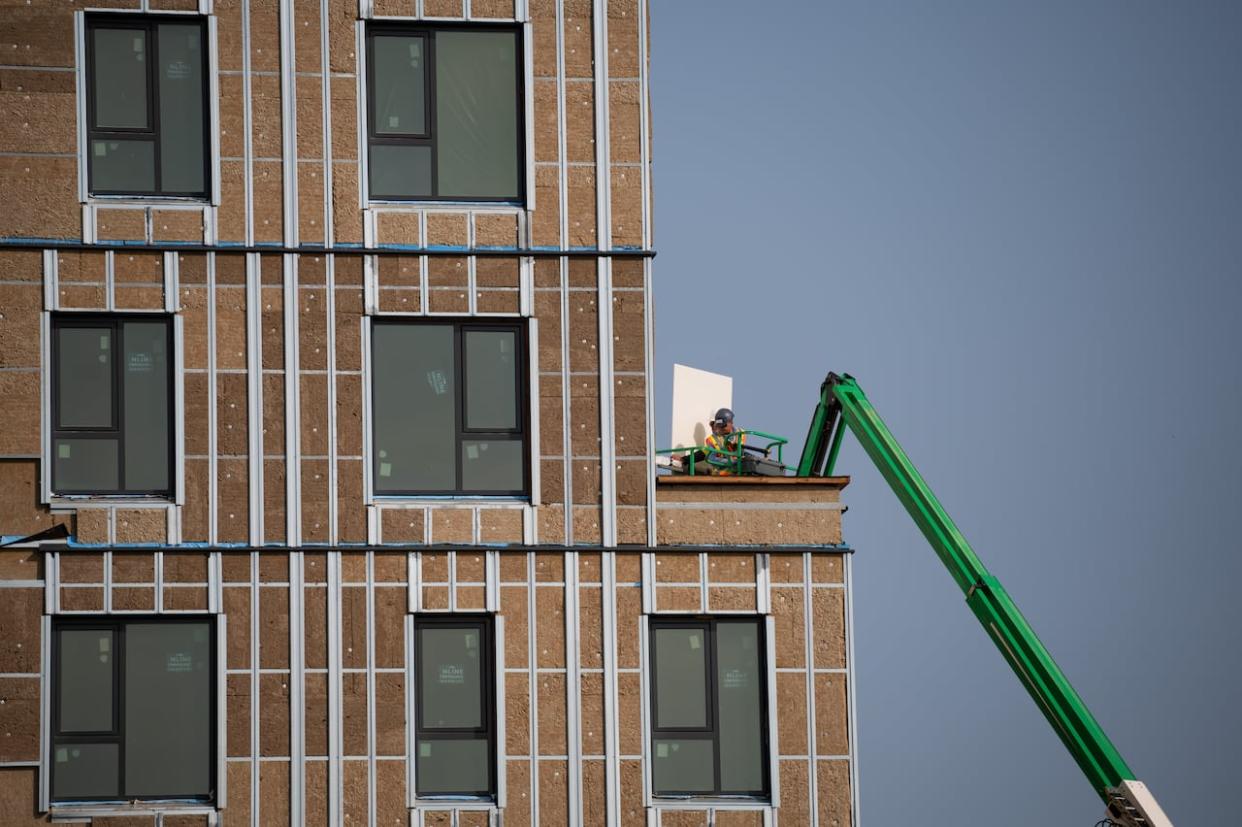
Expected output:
{"points": [[428, 33], [148, 23], [115, 322], [520, 433], [485, 625], [711, 733], [117, 734]]}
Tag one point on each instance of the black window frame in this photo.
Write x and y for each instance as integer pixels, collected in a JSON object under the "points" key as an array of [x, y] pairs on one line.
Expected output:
{"points": [[148, 23], [115, 322], [484, 624], [711, 732], [117, 734], [428, 33], [519, 433]]}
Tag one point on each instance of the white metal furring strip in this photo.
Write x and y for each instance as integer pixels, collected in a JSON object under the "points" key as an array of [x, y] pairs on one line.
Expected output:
{"points": [[179, 416], [222, 692], [213, 93], [247, 122], [851, 690], [297, 688], [644, 673], [562, 143], [808, 621], [45, 396], [774, 750], [45, 706], [411, 714], [502, 785], [536, 471], [335, 690], [213, 483], [371, 711], [612, 751], [573, 688], [532, 685], [329, 271], [603, 229], [79, 79], [255, 797], [254, 395]]}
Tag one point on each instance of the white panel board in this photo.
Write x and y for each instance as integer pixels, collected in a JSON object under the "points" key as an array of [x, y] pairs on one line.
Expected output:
{"points": [[697, 395]]}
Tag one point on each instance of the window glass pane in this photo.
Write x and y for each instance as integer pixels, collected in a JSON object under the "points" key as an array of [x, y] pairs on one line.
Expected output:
{"points": [[120, 75], [85, 771], [451, 677], [681, 678], [415, 395], [491, 380], [492, 465], [122, 166], [684, 766], [84, 376], [180, 76], [476, 114], [400, 172], [453, 766], [86, 465], [145, 375], [85, 680], [168, 734], [738, 685], [400, 88]]}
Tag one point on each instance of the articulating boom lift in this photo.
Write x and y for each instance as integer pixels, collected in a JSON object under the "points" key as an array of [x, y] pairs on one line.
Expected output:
{"points": [[842, 403]]}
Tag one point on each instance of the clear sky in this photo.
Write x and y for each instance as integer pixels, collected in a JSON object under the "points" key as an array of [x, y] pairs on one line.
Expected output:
{"points": [[1020, 227]]}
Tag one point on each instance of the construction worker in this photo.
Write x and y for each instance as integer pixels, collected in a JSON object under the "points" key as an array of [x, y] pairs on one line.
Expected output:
{"points": [[724, 438]]}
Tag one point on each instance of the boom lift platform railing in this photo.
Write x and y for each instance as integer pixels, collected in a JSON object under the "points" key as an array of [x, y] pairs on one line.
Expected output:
{"points": [[842, 403]]}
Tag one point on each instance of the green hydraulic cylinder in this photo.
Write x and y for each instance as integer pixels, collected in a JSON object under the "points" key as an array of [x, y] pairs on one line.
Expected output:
{"points": [[1000, 617]]}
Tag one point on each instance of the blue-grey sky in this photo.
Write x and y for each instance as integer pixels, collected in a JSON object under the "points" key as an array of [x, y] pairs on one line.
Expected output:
{"points": [[1020, 226]]}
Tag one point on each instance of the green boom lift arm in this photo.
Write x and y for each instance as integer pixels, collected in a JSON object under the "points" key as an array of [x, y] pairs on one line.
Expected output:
{"points": [[842, 403]]}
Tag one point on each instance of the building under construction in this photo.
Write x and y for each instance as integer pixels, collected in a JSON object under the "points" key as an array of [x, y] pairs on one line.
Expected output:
{"points": [[326, 382]]}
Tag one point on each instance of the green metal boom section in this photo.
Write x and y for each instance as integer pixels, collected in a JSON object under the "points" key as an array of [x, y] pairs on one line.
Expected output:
{"points": [[842, 399]]}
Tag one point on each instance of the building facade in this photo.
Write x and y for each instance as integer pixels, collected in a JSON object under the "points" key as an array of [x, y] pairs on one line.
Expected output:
{"points": [[326, 467]]}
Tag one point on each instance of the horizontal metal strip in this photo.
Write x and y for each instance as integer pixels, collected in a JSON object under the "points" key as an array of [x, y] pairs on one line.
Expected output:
{"points": [[274, 249], [730, 506]]}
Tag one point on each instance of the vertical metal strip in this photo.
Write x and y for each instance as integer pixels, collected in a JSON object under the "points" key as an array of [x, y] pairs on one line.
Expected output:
{"points": [[222, 706], [368, 467], [179, 413], [159, 582], [491, 580], [703, 604], [528, 88], [371, 716], [645, 691], [51, 582], [573, 688], [213, 482], [648, 309], [45, 707], [247, 121], [254, 394], [110, 281], [603, 229], [411, 714], [297, 688], [648, 575], [808, 618], [213, 113], [532, 685], [612, 749], [45, 402], [536, 475], [329, 237], [562, 144], [107, 581], [502, 785], [293, 405], [452, 575], [774, 748], [255, 797], [335, 690], [851, 689], [763, 583], [79, 81]]}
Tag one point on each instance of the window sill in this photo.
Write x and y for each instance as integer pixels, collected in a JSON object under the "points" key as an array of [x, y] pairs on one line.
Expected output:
{"points": [[710, 801], [450, 206], [150, 200], [512, 500], [456, 802], [101, 500], [99, 809]]}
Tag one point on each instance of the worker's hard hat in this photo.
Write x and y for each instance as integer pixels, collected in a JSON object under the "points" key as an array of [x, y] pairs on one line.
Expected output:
{"points": [[724, 416]]}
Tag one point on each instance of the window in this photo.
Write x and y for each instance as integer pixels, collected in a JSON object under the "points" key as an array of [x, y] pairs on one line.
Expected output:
{"points": [[133, 709], [709, 708], [443, 112], [449, 408], [146, 105], [455, 706], [111, 404]]}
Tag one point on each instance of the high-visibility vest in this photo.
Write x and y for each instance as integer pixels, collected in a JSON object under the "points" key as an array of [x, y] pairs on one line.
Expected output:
{"points": [[721, 443]]}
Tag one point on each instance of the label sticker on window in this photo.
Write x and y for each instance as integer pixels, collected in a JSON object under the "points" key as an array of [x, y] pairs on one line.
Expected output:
{"points": [[661, 750], [177, 70], [736, 679], [140, 363], [424, 750], [394, 121], [452, 674], [437, 381], [62, 451], [138, 44], [472, 452], [103, 342], [694, 641], [385, 469], [105, 644], [62, 755], [179, 662], [101, 149]]}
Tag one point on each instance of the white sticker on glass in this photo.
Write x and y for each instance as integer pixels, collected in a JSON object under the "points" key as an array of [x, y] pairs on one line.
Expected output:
{"points": [[385, 469], [63, 451]]}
